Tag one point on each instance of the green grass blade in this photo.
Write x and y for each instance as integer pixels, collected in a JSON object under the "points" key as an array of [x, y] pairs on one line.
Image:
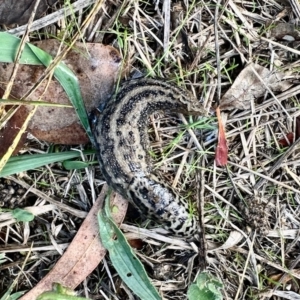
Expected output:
{"points": [[15, 296], [77, 165], [23, 163], [124, 259], [9, 45]]}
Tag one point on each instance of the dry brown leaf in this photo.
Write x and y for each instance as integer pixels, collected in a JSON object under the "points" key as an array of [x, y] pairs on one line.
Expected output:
{"points": [[291, 136], [247, 87], [11, 129], [287, 140], [84, 253], [16, 11], [96, 74], [136, 243]]}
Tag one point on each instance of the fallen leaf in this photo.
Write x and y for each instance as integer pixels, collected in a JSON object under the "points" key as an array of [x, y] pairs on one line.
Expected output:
{"points": [[287, 141], [291, 136], [124, 260], [96, 67], [84, 253], [221, 155], [136, 243], [16, 11], [11, 129], [247, 87]]}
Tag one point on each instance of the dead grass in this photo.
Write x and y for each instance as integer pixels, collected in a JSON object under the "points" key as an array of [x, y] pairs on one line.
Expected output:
{"points": [[254, 260]]}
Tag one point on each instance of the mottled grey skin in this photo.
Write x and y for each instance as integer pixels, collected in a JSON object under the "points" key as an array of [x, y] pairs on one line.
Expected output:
{"points": [[123, 144]]}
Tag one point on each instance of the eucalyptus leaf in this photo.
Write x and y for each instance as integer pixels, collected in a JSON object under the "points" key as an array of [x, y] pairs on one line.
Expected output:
{"points": [[124, 259], [33, 55], [70, 84]]}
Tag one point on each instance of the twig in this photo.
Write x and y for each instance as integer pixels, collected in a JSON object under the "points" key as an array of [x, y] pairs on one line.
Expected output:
{"points": [[53, 18], [266, 177], [200, 178], [277, 165], [295, 7], [167, 7], [217, 51]]}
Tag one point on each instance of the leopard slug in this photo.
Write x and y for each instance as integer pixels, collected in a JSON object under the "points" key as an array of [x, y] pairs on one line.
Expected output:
{"points": [[122, 146]]}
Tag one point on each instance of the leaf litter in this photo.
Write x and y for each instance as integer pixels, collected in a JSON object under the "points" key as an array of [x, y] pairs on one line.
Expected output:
{"points": [[243, 258], [96, 67]]}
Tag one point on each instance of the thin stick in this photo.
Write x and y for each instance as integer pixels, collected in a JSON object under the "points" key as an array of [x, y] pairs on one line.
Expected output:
{"points": [[277, 165], [266, 177], [53, 18]]}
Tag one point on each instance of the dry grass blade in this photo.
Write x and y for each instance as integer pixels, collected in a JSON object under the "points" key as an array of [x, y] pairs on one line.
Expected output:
{"points": [[13, 146], [279, 163], [7, 91], [54, 17], [295, 7], [19, 53], [62, 206]]}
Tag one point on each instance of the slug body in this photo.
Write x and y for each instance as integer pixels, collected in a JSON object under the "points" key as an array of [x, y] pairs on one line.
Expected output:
{"points": [[122, 141]]}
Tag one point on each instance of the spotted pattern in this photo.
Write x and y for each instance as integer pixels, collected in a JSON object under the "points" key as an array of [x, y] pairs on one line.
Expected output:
{"points": [[122, 142]]}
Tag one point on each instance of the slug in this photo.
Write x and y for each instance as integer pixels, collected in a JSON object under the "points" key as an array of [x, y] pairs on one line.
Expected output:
{"points": [[122, 146]]}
